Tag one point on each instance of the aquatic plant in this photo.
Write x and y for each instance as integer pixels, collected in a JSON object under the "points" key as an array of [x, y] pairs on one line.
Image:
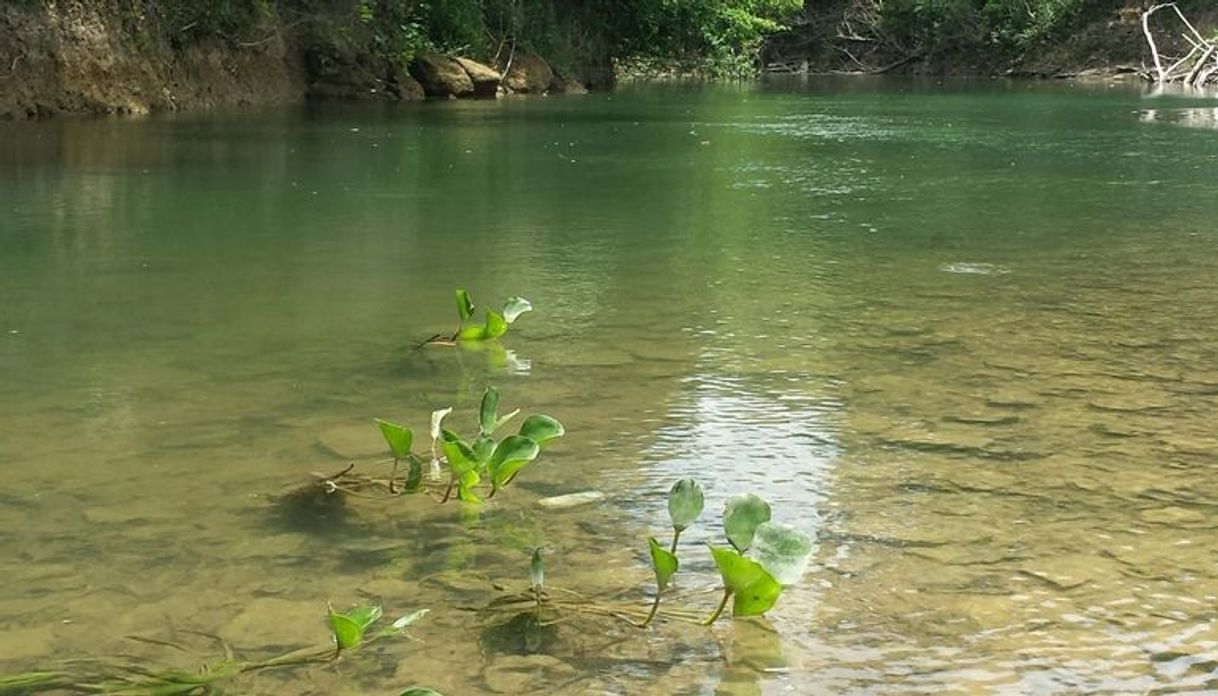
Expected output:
{"points": [[494, 326], [762, 558], [477, 466], [685, 502], [124, 677]]}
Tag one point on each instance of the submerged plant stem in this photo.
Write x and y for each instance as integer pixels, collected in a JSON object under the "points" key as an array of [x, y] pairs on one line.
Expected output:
{"points": [[655, 609], [727, 594]]}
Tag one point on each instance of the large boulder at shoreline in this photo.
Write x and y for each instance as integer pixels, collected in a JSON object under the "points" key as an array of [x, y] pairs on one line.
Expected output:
{"points": [[485, 78], [441, 76], [529, 73]]}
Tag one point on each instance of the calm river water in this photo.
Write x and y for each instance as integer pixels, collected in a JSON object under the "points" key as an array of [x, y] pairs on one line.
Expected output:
{"points": [[965, 334]]}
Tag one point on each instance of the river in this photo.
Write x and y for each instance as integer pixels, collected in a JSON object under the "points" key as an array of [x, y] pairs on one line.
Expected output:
{"points": [[963, 333]]}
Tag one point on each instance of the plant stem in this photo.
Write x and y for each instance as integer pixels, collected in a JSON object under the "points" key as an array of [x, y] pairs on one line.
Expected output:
{"points": [[655, 608], [676, 534], [393, 474], [448, 491], [719, 609]]}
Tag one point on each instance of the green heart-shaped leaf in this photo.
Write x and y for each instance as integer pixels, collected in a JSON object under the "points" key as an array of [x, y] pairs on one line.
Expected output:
{"points": [[465, 306], [483, 448], [509, 458], [472, 333], [741, 518], [496, 325], [347, 632], [364, 616], [685, 502], [782, 550], [414, 474], [465, 488], [398, 437], [663, 562], [514, 307], [541, 428], [754, 591], [461, 457]]}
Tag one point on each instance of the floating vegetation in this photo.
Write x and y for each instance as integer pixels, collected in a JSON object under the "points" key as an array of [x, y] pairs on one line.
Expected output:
{"points": [[495, 325], [477, 466], [761, 559]]}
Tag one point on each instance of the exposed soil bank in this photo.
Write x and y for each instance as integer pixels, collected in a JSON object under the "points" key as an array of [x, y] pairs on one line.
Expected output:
{"points": [[101, 57]]}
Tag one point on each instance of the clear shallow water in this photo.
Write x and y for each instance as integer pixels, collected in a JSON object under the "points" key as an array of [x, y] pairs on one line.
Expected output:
{"points": [[965, 333]]}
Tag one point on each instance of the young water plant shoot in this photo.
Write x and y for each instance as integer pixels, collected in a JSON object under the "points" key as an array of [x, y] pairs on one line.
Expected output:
{"points": [[124, 677], [495, 325], [478, 466], [685, 502]]}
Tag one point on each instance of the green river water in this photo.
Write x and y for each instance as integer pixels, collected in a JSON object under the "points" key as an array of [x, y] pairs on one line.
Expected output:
{"points": [[966, 334]]}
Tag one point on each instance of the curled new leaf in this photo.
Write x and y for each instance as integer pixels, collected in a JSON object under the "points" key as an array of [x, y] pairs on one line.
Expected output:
{"points": [[437, 421], [685, 502], [541, 428], [782, 550], [465, 306], [741, 518], [488, 412], [663, 562], [537, 571], [349, 628], [514, 307], [754, 591], [398, 437]]}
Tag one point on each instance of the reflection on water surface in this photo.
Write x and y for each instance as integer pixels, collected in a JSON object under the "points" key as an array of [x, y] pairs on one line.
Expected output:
{"points": [[964, 334]]}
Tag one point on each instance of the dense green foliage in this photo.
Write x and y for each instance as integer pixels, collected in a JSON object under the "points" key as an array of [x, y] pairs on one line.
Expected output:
{"points": [[936, 24], [714, 34]]}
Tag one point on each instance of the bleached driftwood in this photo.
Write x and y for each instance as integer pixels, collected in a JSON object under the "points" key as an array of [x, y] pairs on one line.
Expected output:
{"points": [[1196, 67]]}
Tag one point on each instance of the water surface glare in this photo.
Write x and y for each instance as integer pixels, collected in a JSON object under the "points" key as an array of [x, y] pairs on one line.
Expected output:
{"points": [[967, 334]]}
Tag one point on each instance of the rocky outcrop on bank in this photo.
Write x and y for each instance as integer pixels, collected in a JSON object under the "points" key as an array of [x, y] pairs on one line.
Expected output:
{"points": [[81, 57]]}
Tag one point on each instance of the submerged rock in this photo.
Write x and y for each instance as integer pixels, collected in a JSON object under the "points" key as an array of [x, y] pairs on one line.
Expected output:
{"points": [[352, 441], [570, 500], [269, 622], [519, 674]]}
